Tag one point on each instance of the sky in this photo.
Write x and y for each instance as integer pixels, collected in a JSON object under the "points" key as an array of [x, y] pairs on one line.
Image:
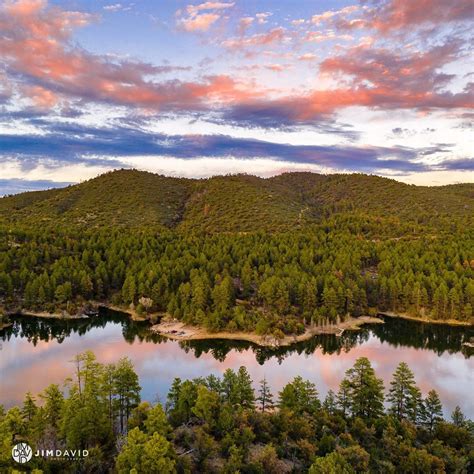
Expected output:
{"points": [[196, 89]]}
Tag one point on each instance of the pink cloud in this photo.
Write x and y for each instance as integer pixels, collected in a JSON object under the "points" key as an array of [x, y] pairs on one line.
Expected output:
{"points": [[193, 9], [307, 57], [245, 23], [42, 98], [199, 22], [397, 14], [278, 67], [394, 15], [196, 21], [327, 15], [318, 36], [403, 74], [36, 44], [262, 18], [275, 35]]}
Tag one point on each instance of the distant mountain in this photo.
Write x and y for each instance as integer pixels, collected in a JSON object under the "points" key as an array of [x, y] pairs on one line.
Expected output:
{"points": [[239, 203]]}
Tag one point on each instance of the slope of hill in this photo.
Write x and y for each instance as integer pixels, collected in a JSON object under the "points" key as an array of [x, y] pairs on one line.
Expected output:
{"points": [[123, 197], [239, 203], [245, 253]]}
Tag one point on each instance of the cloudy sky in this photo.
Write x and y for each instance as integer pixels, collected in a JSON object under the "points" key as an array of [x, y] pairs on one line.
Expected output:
{"points": [[196, 89]]}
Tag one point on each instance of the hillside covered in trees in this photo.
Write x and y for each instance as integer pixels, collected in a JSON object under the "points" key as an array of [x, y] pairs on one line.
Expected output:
{"points": [[240, 252], [223, 425], [238, 203]]}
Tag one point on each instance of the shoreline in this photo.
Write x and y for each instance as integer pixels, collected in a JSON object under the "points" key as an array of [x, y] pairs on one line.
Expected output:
{"points": [[4, 325], [179, 331], [66, 316], [419, 319], [176, 330], [47, 315], [131, 312]]}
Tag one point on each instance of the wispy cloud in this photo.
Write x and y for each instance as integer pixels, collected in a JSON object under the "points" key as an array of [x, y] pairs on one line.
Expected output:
{"points": [[202, 16], [345, 76], [68, 143]]}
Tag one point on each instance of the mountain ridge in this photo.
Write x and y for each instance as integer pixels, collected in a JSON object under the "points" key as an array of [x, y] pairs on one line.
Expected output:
{"points": [[240, 202]]}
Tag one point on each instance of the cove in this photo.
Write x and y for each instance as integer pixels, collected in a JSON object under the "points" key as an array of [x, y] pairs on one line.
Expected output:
{"points": [[36, 352]]}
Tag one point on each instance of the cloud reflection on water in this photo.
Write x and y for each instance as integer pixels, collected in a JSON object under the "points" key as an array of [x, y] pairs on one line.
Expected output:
{"points": [[25, 366]]}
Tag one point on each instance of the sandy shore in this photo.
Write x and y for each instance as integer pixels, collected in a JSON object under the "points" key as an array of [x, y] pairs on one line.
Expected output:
{"points": [[179, 331], [64, 315], [46, 315], [420, 319]]}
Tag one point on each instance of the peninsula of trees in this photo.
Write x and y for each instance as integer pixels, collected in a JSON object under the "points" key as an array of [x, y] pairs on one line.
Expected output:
{"points": [[222, 425], [241, 253]]}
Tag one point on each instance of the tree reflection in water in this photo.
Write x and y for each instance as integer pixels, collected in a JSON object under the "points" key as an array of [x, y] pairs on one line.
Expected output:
{"points": [[396, 332]]}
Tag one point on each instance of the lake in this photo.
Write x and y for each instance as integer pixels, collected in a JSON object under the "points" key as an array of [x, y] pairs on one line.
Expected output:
{"points": [[37, 352]]}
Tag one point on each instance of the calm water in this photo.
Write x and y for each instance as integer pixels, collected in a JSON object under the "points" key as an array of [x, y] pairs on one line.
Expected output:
{"points": [[35, 353]]}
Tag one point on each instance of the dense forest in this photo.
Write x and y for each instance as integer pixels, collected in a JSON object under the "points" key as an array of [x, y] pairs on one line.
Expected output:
{"points": [[222, 424], [240, 252]]}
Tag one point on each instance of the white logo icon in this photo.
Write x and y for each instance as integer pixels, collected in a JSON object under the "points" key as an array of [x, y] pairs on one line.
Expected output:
{"points": [[22, 453]]}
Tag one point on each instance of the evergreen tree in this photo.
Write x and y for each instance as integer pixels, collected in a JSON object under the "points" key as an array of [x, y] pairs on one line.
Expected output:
{"points": [[53, 404], [300, 396], [127, 390], [365, 391], [404, 396], [265, 396], [30, 408], [154, 455], [333, 463], [246, 396], [432, 412], [457, 417], [229, 387], [156, 421], [85, 420], [343, 399], [330, 402], [207, 405]]}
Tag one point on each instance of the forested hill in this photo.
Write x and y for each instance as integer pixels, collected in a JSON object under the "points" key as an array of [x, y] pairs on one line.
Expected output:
{"points": [[241, 252], [239, 203]]}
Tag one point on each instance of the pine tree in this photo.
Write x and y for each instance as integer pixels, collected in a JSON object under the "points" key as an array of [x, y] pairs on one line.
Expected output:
{"points": [[404, 396], [343, 399], [153, 455], [330, 402], [156, 421], [53, 404], [457, 417], [30, 408], [365, 391], [432, 412], [127, 389], [265, 396], [229, 387], [206, 407], [300, 396], [246, 395], [223, 295]]}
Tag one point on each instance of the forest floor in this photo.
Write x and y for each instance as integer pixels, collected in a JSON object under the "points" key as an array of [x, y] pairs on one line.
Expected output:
{"points": [[180, 331], [421, 319]]}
